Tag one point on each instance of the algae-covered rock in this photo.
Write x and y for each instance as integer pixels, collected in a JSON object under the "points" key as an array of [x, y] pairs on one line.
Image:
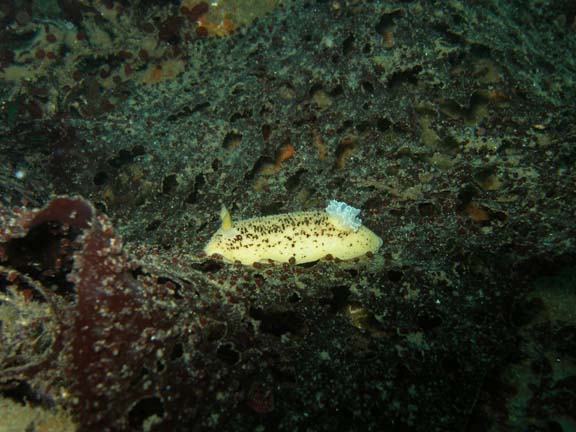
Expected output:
{"points": [[449, 124]]}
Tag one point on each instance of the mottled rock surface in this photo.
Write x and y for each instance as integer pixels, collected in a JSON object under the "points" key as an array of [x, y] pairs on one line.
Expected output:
{"points": [[450, 124]]}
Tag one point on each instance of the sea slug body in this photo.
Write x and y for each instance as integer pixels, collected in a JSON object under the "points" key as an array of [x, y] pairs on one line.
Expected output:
{"points": [[302, 236]]}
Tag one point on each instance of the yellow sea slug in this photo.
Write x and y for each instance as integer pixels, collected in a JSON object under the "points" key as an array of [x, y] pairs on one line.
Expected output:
{"points": [[304, 236]]}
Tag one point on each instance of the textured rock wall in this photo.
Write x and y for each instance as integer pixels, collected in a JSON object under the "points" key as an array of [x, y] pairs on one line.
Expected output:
{"points": [[449, 124]]}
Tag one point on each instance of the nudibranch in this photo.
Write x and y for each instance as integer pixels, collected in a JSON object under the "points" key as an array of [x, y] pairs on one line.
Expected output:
{"points": [[302, 236]]}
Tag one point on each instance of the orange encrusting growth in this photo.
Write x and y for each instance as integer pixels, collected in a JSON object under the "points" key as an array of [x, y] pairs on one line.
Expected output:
{"points": [[220, 28], [285, 152]]}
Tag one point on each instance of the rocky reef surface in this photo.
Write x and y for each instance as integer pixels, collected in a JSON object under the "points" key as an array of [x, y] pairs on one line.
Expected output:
{"points": [[127, 125]]}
